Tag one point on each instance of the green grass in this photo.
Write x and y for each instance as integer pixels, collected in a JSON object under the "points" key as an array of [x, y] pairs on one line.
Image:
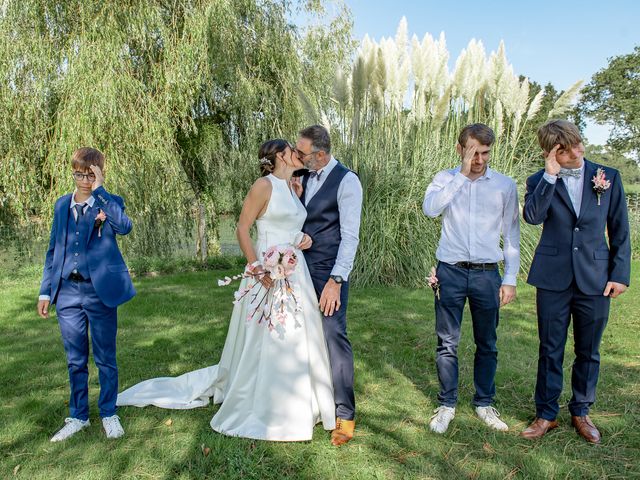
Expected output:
{"points": [[178, 323], [632, 188]]}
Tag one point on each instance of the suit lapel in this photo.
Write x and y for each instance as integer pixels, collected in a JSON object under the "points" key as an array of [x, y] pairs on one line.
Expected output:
{"points": [[587, 191], [305, 180], [561, 188], [65, 211]]}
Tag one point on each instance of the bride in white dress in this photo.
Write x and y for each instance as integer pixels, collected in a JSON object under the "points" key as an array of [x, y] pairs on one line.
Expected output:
{"points": [[274, 384]]}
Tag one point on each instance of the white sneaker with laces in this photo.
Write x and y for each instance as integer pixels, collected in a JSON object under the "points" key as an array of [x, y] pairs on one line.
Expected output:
{"points": [[71, 427], [112, 426], [489, 415], [440, 421]]}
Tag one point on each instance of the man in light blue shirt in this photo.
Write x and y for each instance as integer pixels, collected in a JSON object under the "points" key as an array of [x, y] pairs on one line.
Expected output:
{"points": [[478, 206]]}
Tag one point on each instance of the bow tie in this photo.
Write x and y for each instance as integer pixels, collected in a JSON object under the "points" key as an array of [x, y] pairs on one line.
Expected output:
{"points": [[314, 174], [570, 172]]}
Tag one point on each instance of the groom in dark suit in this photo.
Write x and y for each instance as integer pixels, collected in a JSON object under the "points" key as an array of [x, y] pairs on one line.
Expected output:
{"points": [[332, 196], [575, 270]]}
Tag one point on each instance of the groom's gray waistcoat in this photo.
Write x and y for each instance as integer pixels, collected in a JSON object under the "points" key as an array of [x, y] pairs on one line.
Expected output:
{"points": [[323, 223]]}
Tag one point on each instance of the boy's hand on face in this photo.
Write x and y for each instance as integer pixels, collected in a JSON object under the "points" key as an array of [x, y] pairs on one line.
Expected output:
{"points": [[43, 308], [551, 165], [467, 158], [97, 183]]}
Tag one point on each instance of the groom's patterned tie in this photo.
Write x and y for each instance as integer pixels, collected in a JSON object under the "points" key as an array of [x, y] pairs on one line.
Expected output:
{"points": [[570, 172], [314, 174]]}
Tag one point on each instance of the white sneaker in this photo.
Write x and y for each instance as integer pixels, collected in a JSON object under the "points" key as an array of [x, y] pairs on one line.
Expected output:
{"points": [[112, 426], [72, 426], [489, 415], [440, 421]]}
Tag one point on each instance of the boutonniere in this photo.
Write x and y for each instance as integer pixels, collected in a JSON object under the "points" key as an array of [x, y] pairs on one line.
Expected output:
{"points": [[99, 223], [433, 282], [600, 183]]}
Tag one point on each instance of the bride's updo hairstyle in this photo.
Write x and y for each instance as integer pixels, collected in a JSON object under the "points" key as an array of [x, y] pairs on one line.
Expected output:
{"points": [[267, 154]]}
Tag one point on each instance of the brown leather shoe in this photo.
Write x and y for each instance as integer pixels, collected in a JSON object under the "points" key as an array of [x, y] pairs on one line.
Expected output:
{"points": [[343, 431], [586, 429], [538, 428]]}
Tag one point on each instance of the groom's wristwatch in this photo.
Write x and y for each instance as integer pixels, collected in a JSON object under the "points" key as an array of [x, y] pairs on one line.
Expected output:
{"points": [[336, 278]]}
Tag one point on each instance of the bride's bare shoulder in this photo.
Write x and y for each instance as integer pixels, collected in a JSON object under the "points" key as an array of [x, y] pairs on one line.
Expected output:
{"points": [[261, 188]]}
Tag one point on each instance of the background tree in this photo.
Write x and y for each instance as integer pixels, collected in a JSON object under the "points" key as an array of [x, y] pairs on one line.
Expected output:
{"points": [[612, 97], [178, 95]]}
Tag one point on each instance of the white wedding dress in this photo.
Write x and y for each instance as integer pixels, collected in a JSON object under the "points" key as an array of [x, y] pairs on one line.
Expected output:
{"points": [[273, 384]]}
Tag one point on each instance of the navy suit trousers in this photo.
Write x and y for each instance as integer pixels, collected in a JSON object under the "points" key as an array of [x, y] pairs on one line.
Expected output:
{"points": [[79, 310], [590, 314], [340, 351], [482, 288]]}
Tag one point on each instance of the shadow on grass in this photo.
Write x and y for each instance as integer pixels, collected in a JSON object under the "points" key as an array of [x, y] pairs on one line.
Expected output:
{"points": [[179, 323]]}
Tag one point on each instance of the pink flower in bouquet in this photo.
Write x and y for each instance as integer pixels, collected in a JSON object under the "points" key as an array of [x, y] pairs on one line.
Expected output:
{"points": [[600, 183], [278, 272], [289, 260], [271, 257]]}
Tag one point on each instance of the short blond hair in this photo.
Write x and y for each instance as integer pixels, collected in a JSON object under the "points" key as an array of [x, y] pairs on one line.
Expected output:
{"points": [[558, 132], [85, 157]]}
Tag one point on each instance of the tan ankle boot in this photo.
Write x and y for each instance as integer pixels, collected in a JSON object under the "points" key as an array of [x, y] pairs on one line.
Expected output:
{"points": [[343, 431]]}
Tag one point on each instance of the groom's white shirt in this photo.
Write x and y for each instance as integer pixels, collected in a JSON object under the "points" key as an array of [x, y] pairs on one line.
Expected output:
{"points": [[350, 207], [474, 214]]}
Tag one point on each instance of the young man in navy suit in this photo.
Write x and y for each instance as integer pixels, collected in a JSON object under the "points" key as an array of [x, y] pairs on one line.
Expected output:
{"points": [[575, 270], [86, 278]]}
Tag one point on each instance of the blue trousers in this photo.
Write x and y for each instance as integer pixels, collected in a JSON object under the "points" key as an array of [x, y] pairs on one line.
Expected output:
{"points": [[79, 310], [340, 352], [482, 288], [590, 314]]}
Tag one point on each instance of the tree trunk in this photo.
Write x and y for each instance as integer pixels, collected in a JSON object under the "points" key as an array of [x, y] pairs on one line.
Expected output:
{"points": [[201, 241]]}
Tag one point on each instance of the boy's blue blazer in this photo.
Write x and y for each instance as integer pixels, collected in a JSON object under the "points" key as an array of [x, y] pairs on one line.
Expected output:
{"points": [[109, 274]]}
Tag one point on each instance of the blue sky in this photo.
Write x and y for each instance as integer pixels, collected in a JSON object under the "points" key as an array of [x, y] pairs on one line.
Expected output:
{"points": [[548, 41]]}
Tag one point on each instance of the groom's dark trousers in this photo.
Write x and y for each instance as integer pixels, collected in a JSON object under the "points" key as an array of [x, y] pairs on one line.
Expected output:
{"points": [[481, 287], [570, 269], [340, 352]]}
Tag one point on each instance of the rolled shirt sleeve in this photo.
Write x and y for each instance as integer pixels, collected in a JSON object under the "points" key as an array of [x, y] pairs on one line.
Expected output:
{"points": [[511, 237], [350, 208]]}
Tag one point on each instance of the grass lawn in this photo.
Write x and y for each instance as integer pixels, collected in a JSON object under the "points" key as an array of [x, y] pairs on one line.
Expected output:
{"points": [[179, 322]]}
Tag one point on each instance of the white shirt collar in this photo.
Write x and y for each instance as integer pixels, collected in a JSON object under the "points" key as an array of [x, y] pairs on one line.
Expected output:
{"points": [[326, 170], [488, 173], [90, 201]]}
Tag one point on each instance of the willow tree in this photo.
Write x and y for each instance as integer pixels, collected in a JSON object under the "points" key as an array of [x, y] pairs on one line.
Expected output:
{"points": [[177, 94]]}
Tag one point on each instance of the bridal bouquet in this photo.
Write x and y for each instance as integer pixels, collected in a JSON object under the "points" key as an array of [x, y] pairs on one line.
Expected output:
{"points": [[267, 304]]}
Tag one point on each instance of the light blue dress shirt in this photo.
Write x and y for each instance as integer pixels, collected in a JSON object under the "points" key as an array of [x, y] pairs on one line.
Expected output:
{"points": [[474, 215]]}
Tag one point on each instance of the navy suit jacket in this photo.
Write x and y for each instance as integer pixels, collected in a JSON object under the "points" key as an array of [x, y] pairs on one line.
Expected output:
{"points": [[575, 247], [109, 274]]}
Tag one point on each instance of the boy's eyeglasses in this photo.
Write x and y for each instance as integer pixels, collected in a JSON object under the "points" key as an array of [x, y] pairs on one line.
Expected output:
{"points": [[81, 176]]}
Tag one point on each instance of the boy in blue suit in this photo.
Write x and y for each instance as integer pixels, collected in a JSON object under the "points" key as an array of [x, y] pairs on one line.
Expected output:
{"points": [[576, 269], [86, 278]]}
